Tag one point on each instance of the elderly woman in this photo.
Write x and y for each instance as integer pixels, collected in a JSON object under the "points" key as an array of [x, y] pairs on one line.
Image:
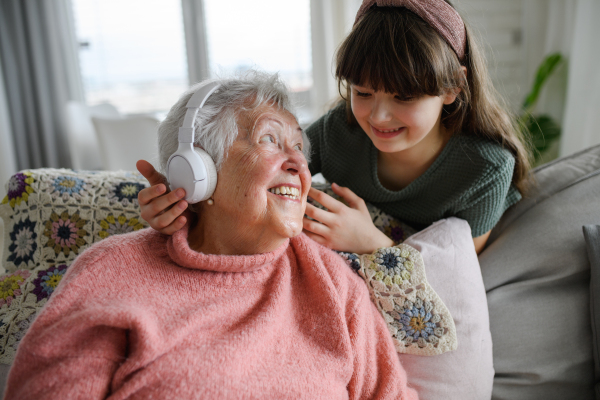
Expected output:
{"points": [[238, 304]]}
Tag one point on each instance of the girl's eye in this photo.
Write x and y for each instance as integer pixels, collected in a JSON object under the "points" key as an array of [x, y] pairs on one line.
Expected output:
{"points": [[267, 139], [406, 99], [362, 94]]}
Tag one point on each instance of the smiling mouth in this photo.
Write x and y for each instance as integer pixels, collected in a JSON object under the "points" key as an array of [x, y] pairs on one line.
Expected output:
{"points": [[387, 133], [387, 130], [286, 191]]}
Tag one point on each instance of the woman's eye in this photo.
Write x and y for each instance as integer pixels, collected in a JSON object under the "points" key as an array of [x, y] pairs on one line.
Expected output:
{"points": [[267, 139], [298, 147]]}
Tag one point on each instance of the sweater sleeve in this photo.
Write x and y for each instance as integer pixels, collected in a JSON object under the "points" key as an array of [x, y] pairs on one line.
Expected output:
{"points": [[377, 370], [71, 350], [490, 198]]}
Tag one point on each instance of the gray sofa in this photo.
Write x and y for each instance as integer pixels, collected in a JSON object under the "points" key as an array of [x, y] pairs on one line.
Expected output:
{"points": [[536, 271]]}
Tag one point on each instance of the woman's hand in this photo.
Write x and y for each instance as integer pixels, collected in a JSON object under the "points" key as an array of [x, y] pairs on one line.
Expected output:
{"points": [[343, 228], [161, 208]]}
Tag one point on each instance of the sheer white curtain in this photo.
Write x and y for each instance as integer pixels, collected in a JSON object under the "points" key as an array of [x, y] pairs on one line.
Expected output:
{"points": [[40, 74], [582, 112]]}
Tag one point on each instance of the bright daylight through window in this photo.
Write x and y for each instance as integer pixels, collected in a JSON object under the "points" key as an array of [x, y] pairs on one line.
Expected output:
{"points": [[132, 53], [271, 35]]}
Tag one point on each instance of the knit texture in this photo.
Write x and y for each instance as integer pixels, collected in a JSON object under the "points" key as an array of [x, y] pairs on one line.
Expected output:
{"points": [[143, 316], [471, 179], [437, 13]]}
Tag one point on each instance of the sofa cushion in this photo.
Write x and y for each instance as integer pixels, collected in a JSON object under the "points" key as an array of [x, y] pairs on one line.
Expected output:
{"points": [[592, 239], [536, 274]]}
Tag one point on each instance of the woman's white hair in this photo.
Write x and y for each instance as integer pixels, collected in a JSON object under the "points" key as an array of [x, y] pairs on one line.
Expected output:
{"points": [[216, 122]]}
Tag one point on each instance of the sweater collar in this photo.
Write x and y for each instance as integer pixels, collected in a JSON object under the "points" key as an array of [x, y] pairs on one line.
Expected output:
{"points": [[180, 251]]}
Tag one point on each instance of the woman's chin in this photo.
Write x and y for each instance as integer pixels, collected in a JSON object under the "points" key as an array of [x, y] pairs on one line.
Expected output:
{"points": [[290, 228]]}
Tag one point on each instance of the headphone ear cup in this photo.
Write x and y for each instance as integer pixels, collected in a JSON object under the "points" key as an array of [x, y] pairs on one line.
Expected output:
{"points": [[211, 172]]}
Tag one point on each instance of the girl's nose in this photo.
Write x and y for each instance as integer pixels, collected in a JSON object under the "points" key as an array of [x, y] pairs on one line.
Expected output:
{"points": [[381, 112]]}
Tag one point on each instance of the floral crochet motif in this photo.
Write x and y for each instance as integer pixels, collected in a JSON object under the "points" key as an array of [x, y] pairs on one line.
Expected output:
{"points": [[68, 186], [19, 189], [419, 321], [47, 281], [23, 243], [416, 322], [392, 265], [125, 193], [114, 226], [64, 233], [10, 286]]}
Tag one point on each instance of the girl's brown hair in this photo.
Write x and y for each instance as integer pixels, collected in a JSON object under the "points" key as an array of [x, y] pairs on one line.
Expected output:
{"points": [[391, 49]]}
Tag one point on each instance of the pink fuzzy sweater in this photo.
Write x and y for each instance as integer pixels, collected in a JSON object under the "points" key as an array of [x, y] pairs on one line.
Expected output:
{"points": [[142, 316]]}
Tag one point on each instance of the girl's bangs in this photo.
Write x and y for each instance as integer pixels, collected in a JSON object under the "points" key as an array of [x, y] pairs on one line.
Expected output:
{"points": [[395, 51]]}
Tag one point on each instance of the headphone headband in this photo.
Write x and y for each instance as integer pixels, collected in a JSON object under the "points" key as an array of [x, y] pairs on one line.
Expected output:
{"points": [[196, 102]]}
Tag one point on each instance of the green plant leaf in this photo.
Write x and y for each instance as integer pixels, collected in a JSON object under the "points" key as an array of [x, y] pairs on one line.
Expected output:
{"points": [[543, 73], [544, 131]]}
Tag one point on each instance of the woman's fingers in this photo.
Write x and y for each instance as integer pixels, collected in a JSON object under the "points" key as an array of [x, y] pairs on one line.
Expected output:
{"points": [[351, 198]]}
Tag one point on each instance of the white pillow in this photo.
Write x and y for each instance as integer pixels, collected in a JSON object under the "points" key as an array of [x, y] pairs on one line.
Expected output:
{"points": [[452, 270]]}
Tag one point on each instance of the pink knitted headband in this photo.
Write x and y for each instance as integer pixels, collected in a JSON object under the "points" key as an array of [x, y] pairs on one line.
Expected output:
{"points": [[437, 13]]}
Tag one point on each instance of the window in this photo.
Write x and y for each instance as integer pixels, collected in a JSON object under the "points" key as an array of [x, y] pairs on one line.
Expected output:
{"points": [[132, 53], [271, 35]]}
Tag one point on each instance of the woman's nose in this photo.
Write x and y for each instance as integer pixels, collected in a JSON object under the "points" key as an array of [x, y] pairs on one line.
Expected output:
{"points": [[295, 162]]}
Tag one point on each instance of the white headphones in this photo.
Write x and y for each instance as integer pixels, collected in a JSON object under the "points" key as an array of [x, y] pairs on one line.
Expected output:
{"points": [[189, 167]]}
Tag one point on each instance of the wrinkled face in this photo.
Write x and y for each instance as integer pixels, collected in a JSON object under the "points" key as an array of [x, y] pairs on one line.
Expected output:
{"points": [[264, 180], [394, 123]]}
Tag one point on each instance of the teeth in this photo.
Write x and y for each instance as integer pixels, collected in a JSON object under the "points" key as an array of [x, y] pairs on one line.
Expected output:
{"points": [[291, 192], [389, 130]]}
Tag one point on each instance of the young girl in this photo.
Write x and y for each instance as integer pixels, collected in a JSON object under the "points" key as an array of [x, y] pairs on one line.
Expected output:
{"points": [[420, 134]]}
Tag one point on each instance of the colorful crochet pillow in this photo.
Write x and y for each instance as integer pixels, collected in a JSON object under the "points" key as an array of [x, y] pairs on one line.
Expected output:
{"points": [[50, 216]]}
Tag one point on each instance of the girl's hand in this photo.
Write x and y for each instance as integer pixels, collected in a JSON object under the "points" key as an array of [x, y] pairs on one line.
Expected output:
{"points": [[162, 212], [343, 228]]}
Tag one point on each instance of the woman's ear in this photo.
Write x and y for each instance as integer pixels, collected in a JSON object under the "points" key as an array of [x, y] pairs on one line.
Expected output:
{"points": [[451, 95]]}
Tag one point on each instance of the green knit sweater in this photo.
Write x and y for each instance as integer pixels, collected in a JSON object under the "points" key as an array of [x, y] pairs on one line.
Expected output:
{"points": [[470, 179]]}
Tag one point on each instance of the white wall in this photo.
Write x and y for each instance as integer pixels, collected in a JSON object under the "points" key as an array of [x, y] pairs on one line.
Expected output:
{"points": [[499, 25]]}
